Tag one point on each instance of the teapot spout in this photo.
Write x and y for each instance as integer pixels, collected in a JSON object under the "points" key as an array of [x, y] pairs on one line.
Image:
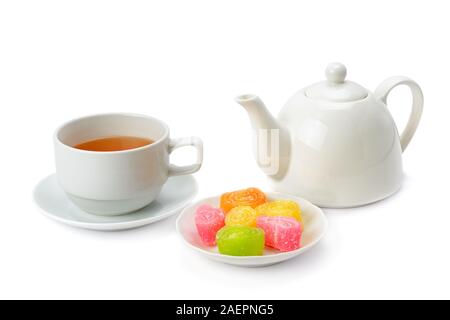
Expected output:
{"points": [[271, 139]]}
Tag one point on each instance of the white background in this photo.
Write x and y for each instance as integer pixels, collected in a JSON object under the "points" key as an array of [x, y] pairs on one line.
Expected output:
{"points": [[184, 61]]}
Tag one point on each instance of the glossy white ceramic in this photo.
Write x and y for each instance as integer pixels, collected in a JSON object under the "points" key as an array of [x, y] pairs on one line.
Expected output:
{"points": [[315, 225], [334, 143], [175, 195], [117, 182]]}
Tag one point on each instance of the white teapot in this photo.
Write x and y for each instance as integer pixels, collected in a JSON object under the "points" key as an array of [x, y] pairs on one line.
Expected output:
{"points": [[334, 143]]}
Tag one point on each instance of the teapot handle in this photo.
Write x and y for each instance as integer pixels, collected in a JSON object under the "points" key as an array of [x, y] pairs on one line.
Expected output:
{"points": [[417, 104]]}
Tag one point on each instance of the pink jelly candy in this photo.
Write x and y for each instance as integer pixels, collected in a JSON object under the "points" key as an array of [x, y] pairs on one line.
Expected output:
{"points": [[282, 233], [209, 220]]}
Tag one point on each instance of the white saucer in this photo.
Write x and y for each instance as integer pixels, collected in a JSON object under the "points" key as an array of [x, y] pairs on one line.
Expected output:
{"points": [[175, 195], [315, 225]]}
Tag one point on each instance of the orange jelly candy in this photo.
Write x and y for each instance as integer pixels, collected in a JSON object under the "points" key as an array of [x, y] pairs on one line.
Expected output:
{"points": [[252, 197]]}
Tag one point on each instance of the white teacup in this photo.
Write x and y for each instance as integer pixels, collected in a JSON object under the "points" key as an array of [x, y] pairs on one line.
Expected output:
{"points": [[117, 182]]}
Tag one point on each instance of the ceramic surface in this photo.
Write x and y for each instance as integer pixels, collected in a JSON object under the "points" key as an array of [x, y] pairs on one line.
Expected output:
{"points": [[174, 196], [118, 182], [334, 143]]}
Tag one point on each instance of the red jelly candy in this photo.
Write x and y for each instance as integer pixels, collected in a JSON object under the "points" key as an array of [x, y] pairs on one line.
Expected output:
{"points": [[208, 221], [282, 233]]}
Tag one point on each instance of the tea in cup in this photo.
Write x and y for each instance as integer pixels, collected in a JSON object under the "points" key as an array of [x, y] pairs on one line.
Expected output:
{"points": [[112, 164]]}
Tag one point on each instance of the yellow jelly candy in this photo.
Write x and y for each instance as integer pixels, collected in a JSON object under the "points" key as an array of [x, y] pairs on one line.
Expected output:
{"points": [[241, 216], [280, 208]]}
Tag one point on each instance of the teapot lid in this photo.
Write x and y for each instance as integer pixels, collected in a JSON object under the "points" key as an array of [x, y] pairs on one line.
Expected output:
{"points": [[336, 88]]}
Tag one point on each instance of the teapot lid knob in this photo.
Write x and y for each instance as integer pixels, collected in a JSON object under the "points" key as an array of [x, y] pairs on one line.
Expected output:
{"points": [[336, 72], [336, 88]]}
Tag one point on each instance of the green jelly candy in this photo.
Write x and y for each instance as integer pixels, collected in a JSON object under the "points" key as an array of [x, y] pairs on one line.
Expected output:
{"points": [[240, 241]]}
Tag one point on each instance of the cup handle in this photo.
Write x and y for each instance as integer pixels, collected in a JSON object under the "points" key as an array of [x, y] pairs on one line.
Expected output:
{"points": [[185, 142], [417, 104]]}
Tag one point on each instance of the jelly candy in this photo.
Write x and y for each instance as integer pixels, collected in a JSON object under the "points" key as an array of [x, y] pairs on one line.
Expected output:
{"points": [[280, 208], [252, 197], [240, 241], [209, 220], [241, 216], [282, 233]]}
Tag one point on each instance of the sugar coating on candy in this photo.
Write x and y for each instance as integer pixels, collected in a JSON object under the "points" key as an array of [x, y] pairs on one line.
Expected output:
{"points": [[241, 216], [282, 233], [240, 241], [208, 221], [280, 208], [252, 197]]}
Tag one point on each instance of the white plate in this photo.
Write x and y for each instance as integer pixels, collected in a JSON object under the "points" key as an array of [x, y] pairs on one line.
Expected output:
{"points": [[175, 195], [315, 225]]}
